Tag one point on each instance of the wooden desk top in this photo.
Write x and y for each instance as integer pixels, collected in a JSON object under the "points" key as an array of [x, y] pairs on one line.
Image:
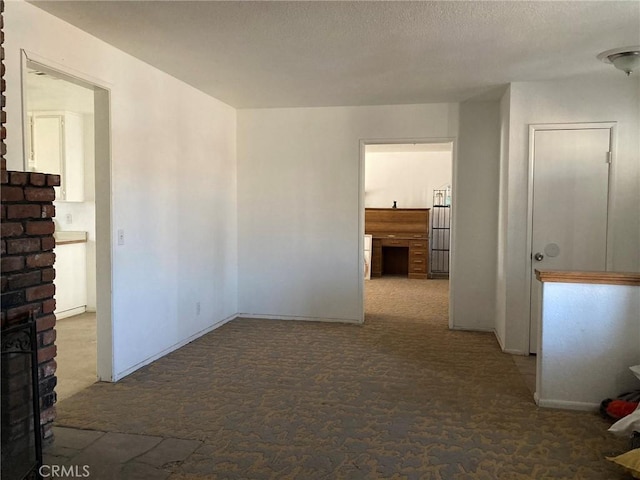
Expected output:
{"points": [[399, 222], [602, 278]]}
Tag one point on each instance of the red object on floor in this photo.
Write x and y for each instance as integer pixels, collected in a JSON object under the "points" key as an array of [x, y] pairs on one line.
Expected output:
{"points": [[620, 408]]}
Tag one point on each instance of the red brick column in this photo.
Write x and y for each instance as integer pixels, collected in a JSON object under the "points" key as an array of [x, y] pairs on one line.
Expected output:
{"points": [[27, 270]]}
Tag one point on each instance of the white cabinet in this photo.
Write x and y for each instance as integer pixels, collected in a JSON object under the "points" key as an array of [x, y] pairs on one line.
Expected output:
{"points": [[71, 275], [56, 145]]}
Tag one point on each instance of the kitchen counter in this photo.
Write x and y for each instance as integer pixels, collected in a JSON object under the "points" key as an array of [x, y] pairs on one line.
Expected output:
{"points": [[68, 237]]}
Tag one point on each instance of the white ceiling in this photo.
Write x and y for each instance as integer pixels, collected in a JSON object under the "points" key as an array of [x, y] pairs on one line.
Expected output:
{"points": [[46, 93], [309, 53]]}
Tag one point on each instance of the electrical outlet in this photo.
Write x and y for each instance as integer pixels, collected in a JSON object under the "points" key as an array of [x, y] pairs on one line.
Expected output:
{"points": [[120, 237], [197, 308], [69, 218]]}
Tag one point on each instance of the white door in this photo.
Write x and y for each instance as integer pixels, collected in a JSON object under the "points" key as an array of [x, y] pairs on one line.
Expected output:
{"points": [[570, 204], [48, 143]]}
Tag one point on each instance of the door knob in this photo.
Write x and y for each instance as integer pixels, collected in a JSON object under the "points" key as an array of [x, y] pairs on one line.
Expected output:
{"points": [[538, 257]]}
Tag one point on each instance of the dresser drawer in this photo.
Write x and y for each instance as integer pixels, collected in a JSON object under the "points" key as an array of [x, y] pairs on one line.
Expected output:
{"points": [[417, 268], [418, 265], [418, 244], [395, 242]]}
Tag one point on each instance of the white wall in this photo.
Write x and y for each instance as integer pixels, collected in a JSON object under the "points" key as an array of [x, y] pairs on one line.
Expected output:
{"points": [[588, 341], [409, 178], [299, 209], [607, 97], [475, 214], [173, 187], [501, 243]]}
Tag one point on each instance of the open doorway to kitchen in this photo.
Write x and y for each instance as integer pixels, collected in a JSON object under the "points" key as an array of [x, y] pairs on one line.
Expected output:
{"points": [[407, 225], [66, 125]]}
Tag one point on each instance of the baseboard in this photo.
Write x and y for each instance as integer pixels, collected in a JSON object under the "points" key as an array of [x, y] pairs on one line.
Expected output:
{"points": [[298, 318], [469, 329], [522, 353], [567, 405], [71, 312], [166, 351], [510, 351]]}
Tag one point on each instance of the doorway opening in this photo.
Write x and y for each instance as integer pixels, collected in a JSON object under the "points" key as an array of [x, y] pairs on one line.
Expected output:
{"points": [[67, 132], [406, 211]]}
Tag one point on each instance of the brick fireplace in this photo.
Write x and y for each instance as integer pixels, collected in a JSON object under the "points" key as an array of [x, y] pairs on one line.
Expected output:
{"points": [[27, 272]]}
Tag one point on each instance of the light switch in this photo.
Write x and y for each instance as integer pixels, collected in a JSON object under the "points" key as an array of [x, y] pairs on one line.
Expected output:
{"points": [[120, 237], [69, 218]]}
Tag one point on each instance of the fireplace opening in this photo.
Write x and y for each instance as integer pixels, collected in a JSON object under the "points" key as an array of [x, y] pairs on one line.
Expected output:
{"points": [[20, 402]]}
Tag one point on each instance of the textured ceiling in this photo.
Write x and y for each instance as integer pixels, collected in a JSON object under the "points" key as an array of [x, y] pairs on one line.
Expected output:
{"points": [[308, 53]]}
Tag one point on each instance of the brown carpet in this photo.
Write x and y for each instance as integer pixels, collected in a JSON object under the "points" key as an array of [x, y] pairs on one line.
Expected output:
{"points": [[400, 397]]}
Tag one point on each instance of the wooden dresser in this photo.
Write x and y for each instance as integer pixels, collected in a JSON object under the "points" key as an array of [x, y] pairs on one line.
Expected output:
{"points": [[400, 241]]}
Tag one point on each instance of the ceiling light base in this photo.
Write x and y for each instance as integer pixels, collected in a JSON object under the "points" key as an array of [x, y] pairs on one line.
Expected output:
{"points": [[626, 59]]}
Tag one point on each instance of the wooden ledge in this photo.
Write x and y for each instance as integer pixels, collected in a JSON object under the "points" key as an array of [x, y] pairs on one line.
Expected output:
{"points": [[602, 278]]}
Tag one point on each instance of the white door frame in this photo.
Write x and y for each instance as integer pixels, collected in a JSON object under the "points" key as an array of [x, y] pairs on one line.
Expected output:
{"points": [[361, 178], [533, 128], [104, 197]]}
